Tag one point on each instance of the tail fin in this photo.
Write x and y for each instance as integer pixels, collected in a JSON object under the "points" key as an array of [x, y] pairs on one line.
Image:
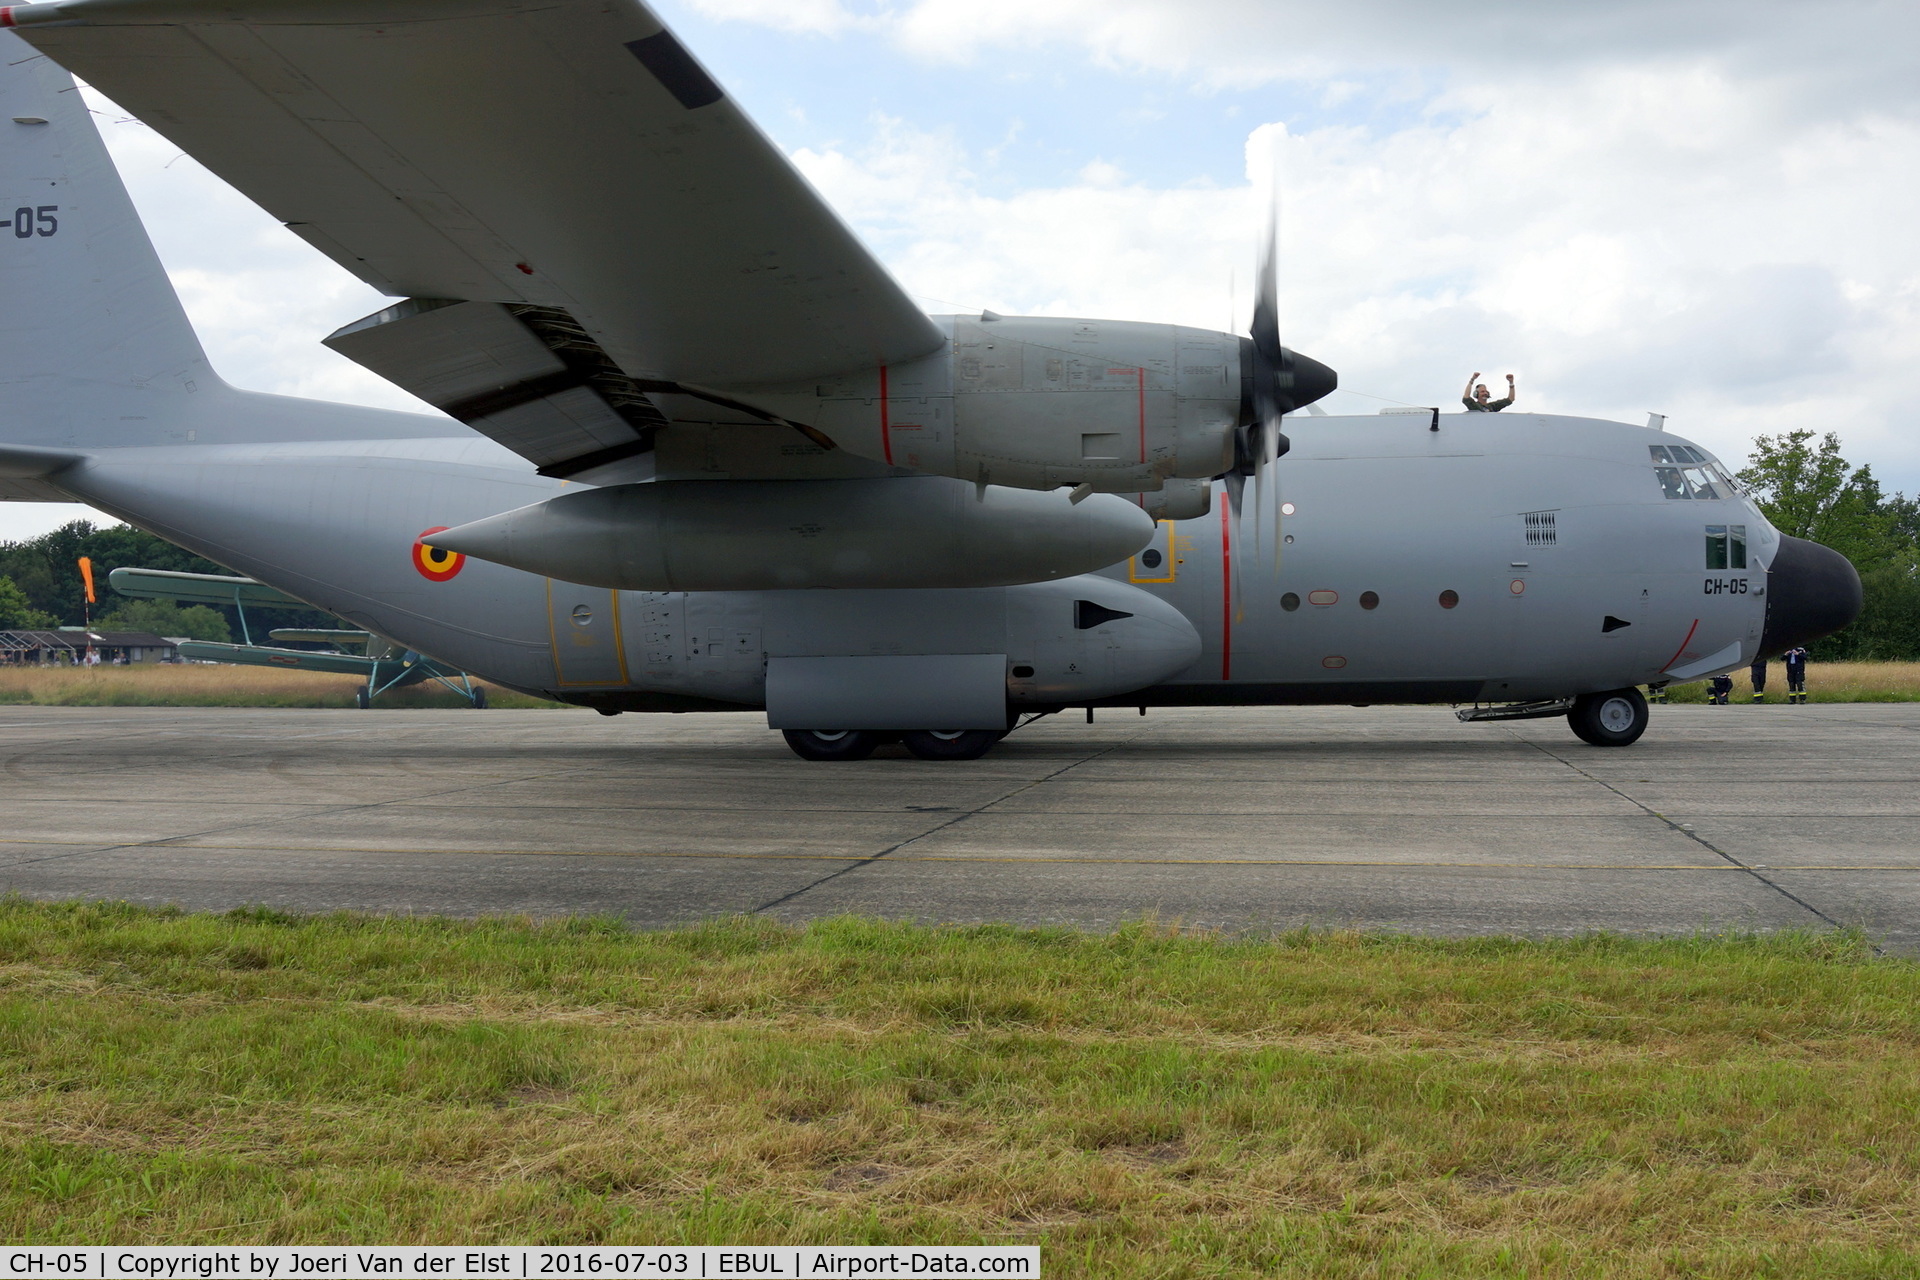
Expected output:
{"points": [[95, 349]]}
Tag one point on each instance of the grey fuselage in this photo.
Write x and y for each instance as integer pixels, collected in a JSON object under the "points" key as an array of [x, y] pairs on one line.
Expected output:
{"points": [[1606, 585]]}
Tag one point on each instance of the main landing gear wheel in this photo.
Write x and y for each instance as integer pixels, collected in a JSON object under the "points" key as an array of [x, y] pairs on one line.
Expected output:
{"points": [[957, 744], [838, 744], [1613, 719], [479, 699], [362, 699]]}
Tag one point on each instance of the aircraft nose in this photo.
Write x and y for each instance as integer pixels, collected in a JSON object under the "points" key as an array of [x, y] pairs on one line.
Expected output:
{"points": [[1812, 591]]}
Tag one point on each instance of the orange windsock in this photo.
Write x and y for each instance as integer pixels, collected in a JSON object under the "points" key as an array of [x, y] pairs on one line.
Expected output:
{"points": [[86, 576]]}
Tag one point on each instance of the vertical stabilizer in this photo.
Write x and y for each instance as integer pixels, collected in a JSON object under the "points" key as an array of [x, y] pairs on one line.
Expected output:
{"points": [[95, 350]]}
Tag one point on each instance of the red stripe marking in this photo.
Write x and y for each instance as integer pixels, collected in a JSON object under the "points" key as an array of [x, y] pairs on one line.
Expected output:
{"points": [[886, 430], [1143, 414], [6, 16], [1683, 645], [1226, 594]]}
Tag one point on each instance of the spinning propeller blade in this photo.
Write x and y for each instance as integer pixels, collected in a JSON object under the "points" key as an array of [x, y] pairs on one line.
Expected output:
{"points": [[1273, 382]]}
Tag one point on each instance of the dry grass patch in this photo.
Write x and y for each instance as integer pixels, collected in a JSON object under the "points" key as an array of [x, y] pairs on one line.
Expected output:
{"points": [[1826, 682], [1142, 1103], [200, 685]]}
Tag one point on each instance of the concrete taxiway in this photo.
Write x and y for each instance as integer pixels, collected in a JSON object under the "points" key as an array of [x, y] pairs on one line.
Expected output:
{"points": [[1722, 817]]}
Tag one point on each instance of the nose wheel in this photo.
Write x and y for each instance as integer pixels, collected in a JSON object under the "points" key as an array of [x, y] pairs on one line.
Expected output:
{"points": [[1613, 719]]}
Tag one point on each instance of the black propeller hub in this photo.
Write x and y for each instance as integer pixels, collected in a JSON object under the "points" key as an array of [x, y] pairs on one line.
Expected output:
{"points": [[1289, 382], [1273, 380], [1296, 380]]}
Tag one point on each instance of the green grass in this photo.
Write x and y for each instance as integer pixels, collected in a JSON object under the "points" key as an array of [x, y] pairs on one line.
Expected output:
{"points": [[1141, 1103]]}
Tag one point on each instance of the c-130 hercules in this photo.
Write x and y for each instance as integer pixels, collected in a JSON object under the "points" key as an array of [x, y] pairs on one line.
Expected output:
{"points": [[702, 453]]}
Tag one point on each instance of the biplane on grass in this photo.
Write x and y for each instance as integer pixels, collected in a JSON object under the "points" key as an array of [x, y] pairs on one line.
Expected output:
{"points": [[383, 664]]}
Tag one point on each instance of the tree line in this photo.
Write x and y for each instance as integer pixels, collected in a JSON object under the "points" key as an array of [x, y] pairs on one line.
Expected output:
{"points": [[1807, 489], [41, 588]]}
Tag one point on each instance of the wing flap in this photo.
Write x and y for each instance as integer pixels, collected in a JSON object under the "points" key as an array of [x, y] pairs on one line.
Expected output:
{"points": [[565, 409], [568, 155]]}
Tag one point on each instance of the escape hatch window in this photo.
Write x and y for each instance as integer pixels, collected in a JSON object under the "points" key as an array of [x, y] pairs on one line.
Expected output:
{"points": [[1726, 546]]}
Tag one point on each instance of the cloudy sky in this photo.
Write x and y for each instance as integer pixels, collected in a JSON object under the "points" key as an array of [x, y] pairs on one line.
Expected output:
{"points": [[1700, 208]]}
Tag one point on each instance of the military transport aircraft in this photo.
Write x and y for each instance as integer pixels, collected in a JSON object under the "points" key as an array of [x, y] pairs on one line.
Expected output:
{"points": [[702, 453]]}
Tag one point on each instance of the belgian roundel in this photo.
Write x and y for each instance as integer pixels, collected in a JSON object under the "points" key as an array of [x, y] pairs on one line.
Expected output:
{"points": [[432, 562]]}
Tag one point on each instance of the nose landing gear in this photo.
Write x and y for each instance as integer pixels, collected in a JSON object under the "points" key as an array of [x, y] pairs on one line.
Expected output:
{"points": [[1616, 718]]}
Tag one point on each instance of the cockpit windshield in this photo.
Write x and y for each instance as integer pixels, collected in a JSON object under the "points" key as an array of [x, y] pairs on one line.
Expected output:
{"points": [[1685, 472]]}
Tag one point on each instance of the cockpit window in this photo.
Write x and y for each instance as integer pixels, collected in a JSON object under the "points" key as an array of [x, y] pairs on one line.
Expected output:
{"points": [[1688, 473]]}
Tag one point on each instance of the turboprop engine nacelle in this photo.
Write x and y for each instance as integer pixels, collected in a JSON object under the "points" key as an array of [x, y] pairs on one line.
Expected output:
{"points": [[1039, 402], [760, 535]]}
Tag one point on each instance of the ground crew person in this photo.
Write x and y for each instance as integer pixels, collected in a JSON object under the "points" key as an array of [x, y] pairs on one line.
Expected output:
{"points": [[1758, 674], [1475, 397], [1796, 675], [1718, 688]]}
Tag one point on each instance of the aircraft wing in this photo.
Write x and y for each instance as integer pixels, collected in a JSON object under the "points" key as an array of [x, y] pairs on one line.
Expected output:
{"points": [[253, 655], [198, 588], [308, 635], [568, 156]]}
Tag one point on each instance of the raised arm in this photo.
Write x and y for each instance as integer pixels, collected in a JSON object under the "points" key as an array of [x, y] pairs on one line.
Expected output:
{"points": [[1468, 393]]}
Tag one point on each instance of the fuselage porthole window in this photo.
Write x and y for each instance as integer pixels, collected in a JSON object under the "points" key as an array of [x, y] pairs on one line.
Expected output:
{"points": [[1290, 602], [1369, 599], [1449, 598]]}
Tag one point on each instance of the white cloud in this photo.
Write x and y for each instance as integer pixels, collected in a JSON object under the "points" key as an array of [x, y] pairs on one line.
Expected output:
{"points": [[1625, 239], [22, 520], [1699, 206], [259, 297], [825, 17], [1696, 208], [1835, 53]]}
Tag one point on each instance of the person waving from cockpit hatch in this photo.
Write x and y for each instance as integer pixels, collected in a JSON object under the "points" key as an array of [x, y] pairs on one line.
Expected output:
{"points": [[1475, 396]]}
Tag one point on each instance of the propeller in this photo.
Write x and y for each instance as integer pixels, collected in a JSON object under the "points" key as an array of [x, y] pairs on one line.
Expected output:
{"points": [[1273, 383]]}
